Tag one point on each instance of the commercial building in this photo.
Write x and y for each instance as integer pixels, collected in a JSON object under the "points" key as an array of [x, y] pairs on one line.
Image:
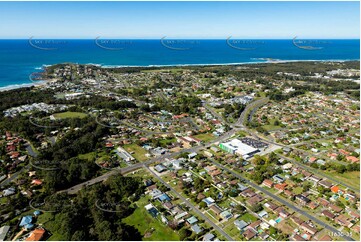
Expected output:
{"points": [[237, 147]]}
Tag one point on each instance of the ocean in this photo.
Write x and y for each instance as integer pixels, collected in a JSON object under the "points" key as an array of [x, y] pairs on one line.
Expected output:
{"points": [[20, 58]]}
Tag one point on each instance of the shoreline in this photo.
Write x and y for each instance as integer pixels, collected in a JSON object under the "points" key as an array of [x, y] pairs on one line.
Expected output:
{"points": [[261, 61]]}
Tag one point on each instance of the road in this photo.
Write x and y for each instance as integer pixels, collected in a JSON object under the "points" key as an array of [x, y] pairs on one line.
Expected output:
{"points": [[190, 205], [235, 128], [282, 201]]}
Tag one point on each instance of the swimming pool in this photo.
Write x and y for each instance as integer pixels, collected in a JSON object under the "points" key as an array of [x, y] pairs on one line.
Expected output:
{"points": [[278, 220]]}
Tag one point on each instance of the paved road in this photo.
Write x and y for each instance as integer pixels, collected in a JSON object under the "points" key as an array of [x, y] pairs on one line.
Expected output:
{"points": [[280, 200], [190, 205]]}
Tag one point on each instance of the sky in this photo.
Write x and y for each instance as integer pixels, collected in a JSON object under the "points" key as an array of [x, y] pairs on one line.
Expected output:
{"points": [[268, 20]]}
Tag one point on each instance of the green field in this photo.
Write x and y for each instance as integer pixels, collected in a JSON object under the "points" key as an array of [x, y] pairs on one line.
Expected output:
{"points": [[350, 178], [87, 156], [69, 115], [247, 217], [204, 137], [144, 222], [139, 152]]}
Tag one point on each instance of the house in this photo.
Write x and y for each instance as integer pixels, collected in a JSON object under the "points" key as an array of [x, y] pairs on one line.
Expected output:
{"points": [[263, 214], [314, 179], [181, 215], [325, 238], [215, 173], [335, 208], [36, 182], [271, 206], [328, 214], [312, 205], [278, 179], [163, 197], [249, 234], [26, 222], [209, 201], [302, 199], [192, 220], [268, 183], [208, 237], [289, 193], [325, 184], [323, 202], [282, 212], [248, 193], [155, 193], [196, 229], [308, 228], [36, 235], [177, 164], [168, 205], [192, 155], [297, 237], [343, 221], [216, 209], [8, 192], [160, 168], [297, 220], [240, 224], [226, 215], [280, 186], [352, 159], [255, 199], [264, 236], [241, 187]]}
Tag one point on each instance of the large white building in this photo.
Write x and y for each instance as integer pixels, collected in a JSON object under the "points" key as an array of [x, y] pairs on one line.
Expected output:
{"points": [[236, 146]]}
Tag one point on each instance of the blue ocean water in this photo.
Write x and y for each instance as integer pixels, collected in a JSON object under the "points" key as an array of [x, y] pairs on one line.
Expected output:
{"points": [[20, 58]]}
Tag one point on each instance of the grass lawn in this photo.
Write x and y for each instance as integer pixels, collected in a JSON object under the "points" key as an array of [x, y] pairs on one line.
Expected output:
{"points": [[297, 190], [69, 115], [205, 137], [232, 231], [247, 217], [144, 222], [167, 141], [350, 178], [139, 152], [88, 156], [46, 219]]}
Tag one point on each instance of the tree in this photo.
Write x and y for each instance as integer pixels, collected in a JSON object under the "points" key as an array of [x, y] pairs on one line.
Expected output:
{"points": [[184, 233], [202, 204]]}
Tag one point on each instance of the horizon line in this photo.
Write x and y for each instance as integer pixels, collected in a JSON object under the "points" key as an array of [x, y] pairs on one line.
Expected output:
{"points": [[183, 38]]}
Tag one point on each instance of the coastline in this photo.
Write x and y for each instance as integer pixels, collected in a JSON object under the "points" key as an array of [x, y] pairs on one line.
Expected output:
{"points": [[261, 61], [18, 86]]}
